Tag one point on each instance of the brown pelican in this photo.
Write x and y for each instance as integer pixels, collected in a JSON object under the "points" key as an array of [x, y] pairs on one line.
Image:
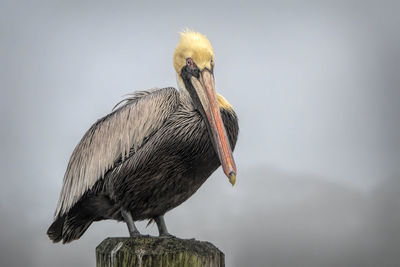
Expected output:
{"points": [[152, 152]]}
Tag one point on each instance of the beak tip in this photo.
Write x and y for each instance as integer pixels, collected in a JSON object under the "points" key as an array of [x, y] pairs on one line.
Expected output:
{"points": [[232, 178]]}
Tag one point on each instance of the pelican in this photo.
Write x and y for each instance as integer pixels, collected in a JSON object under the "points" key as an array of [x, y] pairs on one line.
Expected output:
{"points": [[152, 152]]}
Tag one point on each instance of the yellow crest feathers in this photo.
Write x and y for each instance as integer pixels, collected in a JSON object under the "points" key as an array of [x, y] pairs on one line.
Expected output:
{"points": [[223, 103], [196, 46]]}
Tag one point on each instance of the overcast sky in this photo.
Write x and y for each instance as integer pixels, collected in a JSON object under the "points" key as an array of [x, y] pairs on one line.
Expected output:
{"points": [[316, 89]]}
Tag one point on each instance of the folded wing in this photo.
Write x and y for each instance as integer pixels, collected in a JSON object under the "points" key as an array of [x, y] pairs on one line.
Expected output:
{"points": [[112, 138]]}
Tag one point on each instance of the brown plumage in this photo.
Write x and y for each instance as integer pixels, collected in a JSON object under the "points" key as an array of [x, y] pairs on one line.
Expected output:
{"points": [[145, 158]]}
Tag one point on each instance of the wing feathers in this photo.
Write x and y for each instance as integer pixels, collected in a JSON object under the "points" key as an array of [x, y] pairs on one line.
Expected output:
{"points": [[111, 139]]}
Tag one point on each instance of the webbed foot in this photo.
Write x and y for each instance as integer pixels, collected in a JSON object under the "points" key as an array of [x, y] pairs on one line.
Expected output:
{"points": [[162, 228], [133, 231]]}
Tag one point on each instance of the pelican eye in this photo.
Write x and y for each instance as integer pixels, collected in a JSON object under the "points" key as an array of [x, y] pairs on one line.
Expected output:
{"points": [[189, 61]]}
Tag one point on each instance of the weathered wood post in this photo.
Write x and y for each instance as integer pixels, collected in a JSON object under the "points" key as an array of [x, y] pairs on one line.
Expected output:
{"points": [[149, 251]]}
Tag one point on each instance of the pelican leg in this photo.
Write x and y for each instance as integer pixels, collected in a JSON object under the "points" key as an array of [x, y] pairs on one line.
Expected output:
{"points": [[162, 228], [133, 231]]}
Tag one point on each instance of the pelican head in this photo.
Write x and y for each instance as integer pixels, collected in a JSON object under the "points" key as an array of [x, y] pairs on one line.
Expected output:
{"points": [[194, 65]]}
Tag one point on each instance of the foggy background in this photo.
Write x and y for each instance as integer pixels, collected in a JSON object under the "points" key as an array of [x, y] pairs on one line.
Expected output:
{"points": [[316, 89]]}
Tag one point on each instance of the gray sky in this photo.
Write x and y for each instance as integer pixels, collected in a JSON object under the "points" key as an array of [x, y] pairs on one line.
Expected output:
{"points": [[316, 89]]}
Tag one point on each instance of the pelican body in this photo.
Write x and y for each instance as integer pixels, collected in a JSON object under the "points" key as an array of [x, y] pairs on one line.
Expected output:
{"points": [[152, 152]]}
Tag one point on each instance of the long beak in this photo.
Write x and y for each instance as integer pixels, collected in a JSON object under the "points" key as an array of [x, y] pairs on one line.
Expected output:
{"points": [[205, 90]]}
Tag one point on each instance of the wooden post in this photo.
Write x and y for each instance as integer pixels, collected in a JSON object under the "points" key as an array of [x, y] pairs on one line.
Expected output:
{"points": [[146, 251]]}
